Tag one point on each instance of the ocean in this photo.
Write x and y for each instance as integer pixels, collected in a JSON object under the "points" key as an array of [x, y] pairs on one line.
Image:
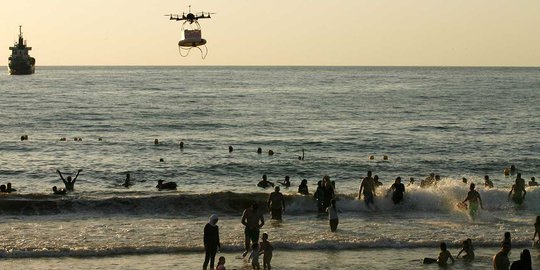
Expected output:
{"points": [[453, 121]]}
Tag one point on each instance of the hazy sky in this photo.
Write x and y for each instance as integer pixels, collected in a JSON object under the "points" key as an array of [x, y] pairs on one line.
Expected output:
{"points": [[292, 32]]}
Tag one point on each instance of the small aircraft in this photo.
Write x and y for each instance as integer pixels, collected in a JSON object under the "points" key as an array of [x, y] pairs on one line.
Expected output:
{"points": [[192, 32]]}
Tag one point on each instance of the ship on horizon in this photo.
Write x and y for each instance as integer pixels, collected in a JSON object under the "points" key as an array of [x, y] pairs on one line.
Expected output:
{"points": [[20, 62]]}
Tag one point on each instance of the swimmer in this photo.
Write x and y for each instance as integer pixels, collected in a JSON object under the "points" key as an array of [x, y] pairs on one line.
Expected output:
{"points": [[270, 152], [367, 188], [156, 142], [512, 169], [266, 250], [3, 188], [301, 157], [286, 182], [168, 185], [303, 187], [533, 182], [231, 149], [537, 232], [474, 199], [69, 183], [333, 215], [264, 183], [428, 181], [127, 182], [518, 190], [468, 249], [507, 240], [487, 182], [411, 181], [9, 189], [464, 180], [259, 150], [444, 255], [276, 204], [57, 191], [398, 189], [181, 145]]}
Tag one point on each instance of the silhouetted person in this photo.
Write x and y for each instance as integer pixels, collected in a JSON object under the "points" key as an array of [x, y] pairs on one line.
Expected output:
{"points": [[303, 188], [167, 185], [127, 182], [487, 182], [9, 189], [518, 189], [69, 183], [276, 204], [57, 191], [211, 241], [398, 189], [253, 222], [286, 182], [533, 182], [264, 183]]}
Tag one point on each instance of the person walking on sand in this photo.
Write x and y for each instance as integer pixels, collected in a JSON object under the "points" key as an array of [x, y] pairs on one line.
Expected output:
{"points": [[69, 183], [276, 204], [266, 249], [367, 188], [211, 241], [253, 222], [474, 200], [500, 260]]}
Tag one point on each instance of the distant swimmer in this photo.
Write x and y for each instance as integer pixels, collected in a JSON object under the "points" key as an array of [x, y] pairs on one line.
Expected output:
{"points": [[397, 191], [500, 260], [9, 189], [181, 145], [276, 204], [231, 149], [303, 188], [367, 188], [487, 182], [301, 157], [127, 182], [165, 186], [512, 169], [464, 180], [264, 183], [253, 222], [156, 142], [443, 258], [259, 150], [3, 188], [69, 183], [468, 249], [286, 182], [518, 190], [474, 200], [270, 152], [411, 181], [533, 182], [428, 181], [57, 191]]}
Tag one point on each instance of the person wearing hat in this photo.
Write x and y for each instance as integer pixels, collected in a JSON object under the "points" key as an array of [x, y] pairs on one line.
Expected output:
{"points": [[211, 241]]}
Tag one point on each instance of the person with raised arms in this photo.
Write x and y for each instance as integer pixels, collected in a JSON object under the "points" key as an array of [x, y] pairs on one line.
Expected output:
{"points": [[69, 183]]}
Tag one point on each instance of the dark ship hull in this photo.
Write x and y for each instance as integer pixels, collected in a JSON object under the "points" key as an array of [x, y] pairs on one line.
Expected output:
{"points": [[22, 66]]}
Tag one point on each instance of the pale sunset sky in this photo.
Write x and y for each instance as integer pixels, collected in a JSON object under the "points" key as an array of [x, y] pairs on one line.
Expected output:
{"points": [[293, 32]]}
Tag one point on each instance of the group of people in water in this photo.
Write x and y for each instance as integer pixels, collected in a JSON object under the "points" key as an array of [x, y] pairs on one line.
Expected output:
{"points": [[500, 260]]}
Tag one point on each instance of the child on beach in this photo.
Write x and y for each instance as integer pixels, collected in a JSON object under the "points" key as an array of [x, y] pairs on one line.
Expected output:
{"points": [[332, 215], [536, 232], [254, 256], [444, 255], [221, 263], [468, 249], [266, 250]]}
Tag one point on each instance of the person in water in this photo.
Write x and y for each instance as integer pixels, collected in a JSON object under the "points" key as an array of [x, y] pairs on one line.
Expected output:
{"points": [[367, 188], [333, 216], [57, 191], [211, 241], [9, 189], [68, 182], [266, 250], [319, 196], [127, 182], [518, 190], [165, 186], [532, 183], [487, 182], [500, 260], [276, 204], [474, 200], [303, 188], [507, 240], [264, 183], [253, 222], [524, 262], [286, 182], [468, 249], [443, 258], [398, 189], [537, 231]]}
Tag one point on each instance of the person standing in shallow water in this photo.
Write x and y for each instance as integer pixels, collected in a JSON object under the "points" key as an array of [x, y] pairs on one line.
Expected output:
{"points": [[211, 241], [398, 189], [474, 200], [518, 190], [333, 215], [276, 204], [367, 188], [253, 222], [69, 183]]}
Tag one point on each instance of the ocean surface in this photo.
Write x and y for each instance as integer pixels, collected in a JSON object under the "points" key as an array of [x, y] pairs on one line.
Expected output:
{"points": [[453, 121]]}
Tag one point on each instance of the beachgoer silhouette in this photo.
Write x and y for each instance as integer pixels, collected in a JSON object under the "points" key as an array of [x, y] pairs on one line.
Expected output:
{"points": [[468, 249], [69, 183], [398, 189], [443, 258], [253, 222], [286, 182], [367, 189], [333, 215], [500, 260], [533, 182], [487, 182], [524, 262], [57, 191], [303, 187], [518, 190], [211, 241], [474, 199], [127, 182], [264, 183], [9, 189], [166, 185], [266, 249], [276, 204]]}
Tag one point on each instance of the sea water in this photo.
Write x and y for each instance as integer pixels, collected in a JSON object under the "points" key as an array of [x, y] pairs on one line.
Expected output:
{"points": [[455, 122]]}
